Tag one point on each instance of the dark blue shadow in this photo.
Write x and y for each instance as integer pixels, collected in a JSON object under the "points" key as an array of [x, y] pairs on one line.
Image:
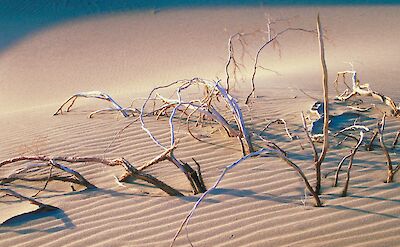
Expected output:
{"points": [[11, 224]]}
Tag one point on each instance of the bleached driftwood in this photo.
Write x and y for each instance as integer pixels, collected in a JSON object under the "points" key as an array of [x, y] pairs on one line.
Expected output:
{"points": [[365, 90], [318, 161], [126, 112], [69, 159], [231, 56], [76, 174], [205, 108]]}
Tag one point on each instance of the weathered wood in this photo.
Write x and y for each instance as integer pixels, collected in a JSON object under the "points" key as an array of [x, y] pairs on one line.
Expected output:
{"points": [[135, 173], [396, 139], [365, 90], [314, 150], [78, 176], [72, 159], [326, 107], [93, 94], [346, 186], [339, 167], [219, 179], [46, 183], [390, 171], [195, 178], [369, 147]]}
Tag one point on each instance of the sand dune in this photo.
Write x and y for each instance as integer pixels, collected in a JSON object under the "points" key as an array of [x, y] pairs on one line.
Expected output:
{"points": [[259, 203]]}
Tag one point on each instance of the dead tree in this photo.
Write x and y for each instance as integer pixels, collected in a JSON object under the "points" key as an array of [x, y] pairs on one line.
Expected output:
{"points": [[271, 39], [325, 146], [272, 149], [232, 60], [203, 107]]}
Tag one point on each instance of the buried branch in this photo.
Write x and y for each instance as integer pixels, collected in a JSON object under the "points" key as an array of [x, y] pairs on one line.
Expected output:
{"points": [[135, 173], [54, 162], [42, 206], [126, 112], [194, 177]]}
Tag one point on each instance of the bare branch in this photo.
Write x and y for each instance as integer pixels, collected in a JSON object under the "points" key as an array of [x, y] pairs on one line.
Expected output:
{"points": [[314, 150], [390, 171], [280, 121], [96, 95], [326, 107], [346, 186], [256, 60], [149, 178]]}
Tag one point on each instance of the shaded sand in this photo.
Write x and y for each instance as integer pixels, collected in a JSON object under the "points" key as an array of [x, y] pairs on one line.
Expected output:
{"points": [[259, 203]]}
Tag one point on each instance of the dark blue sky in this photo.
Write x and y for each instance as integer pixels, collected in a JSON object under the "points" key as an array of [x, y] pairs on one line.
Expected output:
{"points": [[19, 18]]}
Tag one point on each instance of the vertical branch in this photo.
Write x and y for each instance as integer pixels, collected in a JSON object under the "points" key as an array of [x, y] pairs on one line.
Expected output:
{"points": [[339, 167], [346, 186], [326, 106], [390, 172], [369, 146], [303, 176], [396, 139], [315, 154]]}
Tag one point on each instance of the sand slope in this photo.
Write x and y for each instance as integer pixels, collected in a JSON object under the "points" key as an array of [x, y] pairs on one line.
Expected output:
{"points": [[259, 203]]}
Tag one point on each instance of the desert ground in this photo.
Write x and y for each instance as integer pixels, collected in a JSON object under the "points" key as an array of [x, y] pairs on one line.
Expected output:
{"points": [[260, 202]]}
